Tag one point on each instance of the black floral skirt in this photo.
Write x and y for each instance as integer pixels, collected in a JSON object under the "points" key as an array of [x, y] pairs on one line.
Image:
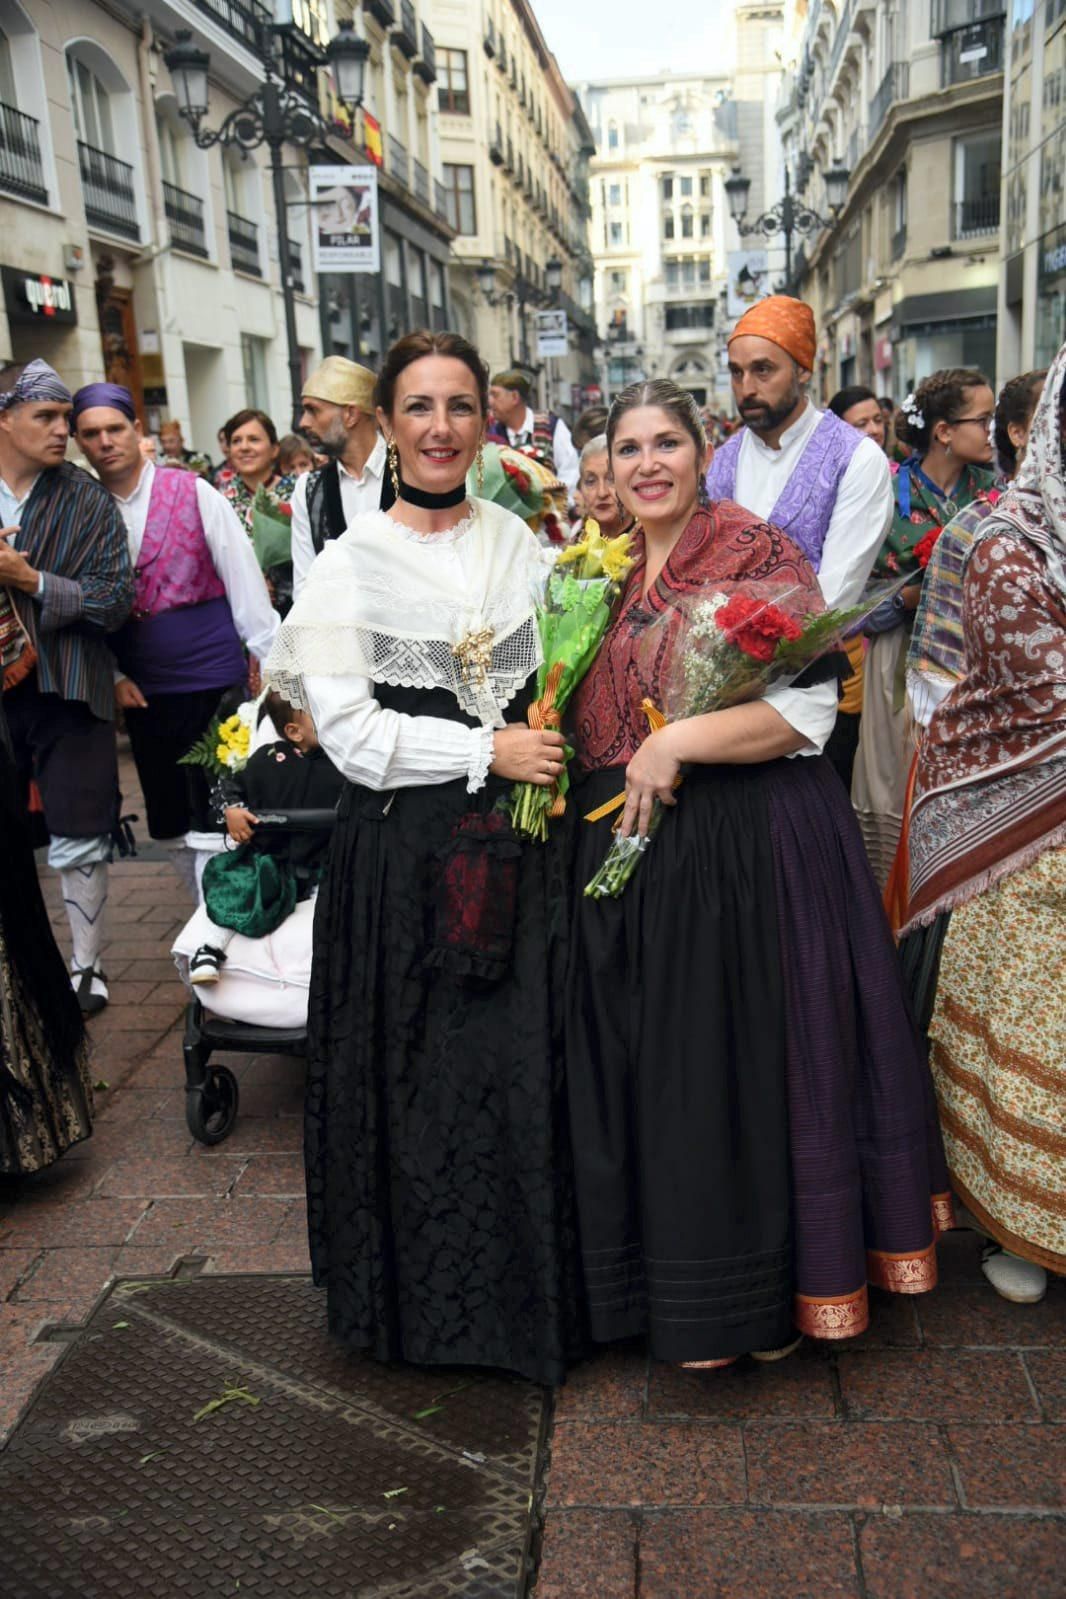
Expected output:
{"points": [[441, 1211]]}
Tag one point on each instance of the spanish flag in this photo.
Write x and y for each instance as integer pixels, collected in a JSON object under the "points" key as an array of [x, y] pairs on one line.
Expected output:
{"points": [[372, 138]]}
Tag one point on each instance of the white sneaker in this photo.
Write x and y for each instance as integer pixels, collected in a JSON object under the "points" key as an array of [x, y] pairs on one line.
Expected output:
{"points": [[206, 965], [1015, 1279]]}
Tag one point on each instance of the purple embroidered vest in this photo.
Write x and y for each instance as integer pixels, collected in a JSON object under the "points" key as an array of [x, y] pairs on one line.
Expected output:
{"points": [[805, 507], [180, 637], [174, 567]]}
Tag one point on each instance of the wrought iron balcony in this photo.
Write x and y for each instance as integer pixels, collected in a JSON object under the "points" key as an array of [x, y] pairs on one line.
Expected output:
{"points": [[426, 65], [243, 244], [405, 33], [21, 168], [496, 148], [501, 58], [976, 216], [489, 40], [895, 85], [440, 199], [396, 161], [420, 181], [899, 243], [185, 215], [244, 19], [300, 61], [107, 186], [383, 11], [947, 15]]}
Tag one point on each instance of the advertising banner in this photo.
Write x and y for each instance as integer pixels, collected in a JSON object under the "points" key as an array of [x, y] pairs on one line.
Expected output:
{"points": [[749, 280], [344, 219]]}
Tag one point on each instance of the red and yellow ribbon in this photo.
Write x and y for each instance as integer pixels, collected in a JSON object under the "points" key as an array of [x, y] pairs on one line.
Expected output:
{"points": [[655, 720]]}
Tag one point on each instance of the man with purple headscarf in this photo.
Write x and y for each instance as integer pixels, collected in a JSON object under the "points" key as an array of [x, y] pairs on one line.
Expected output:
{"points": [[200, 600], [65, 582]]}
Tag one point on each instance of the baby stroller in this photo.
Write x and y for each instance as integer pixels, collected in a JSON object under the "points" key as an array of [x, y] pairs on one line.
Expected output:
{"points": [[259, 1004]]}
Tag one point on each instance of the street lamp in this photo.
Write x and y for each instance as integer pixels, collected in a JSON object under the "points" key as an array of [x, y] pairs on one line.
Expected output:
{"points": [[274, 116], [789, 215]]}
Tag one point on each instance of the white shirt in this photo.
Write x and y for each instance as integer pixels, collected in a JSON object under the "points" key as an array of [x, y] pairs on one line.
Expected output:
{"points": [[231, 552], [357, 494], [567, 460], [861, 517], [11, 509]]}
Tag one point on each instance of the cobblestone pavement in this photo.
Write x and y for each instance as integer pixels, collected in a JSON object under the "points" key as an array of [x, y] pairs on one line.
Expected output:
{"points": [[926, 1460]]}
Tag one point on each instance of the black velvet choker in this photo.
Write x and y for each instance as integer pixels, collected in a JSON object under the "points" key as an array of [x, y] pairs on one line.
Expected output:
{"points": [[432, 502]]}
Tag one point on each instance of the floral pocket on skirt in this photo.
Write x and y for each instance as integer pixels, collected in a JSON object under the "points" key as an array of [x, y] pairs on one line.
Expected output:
{"points": [[477, 898]]}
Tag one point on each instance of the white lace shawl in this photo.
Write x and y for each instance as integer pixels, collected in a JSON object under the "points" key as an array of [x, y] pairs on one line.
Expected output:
{"points": [[388, 604]]}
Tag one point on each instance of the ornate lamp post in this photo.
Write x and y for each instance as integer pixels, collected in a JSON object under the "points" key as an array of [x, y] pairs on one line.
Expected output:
{"points": [[790, 215], [274, 116]]}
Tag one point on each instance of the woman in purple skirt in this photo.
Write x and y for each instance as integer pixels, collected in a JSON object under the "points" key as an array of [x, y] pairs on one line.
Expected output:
{"points": [[752, 1119]]}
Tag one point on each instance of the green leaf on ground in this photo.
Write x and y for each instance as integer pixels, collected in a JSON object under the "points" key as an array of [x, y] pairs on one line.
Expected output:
{"points": [[153, 1456], [118, 1324], [230, 1394], [394, 1493]]}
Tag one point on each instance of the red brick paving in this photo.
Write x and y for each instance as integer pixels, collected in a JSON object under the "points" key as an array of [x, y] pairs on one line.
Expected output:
{"points": [[925, 1460]]}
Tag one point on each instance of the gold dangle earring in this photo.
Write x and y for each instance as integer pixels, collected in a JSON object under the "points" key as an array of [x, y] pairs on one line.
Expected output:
{"points": [[394, 471], [481, 467]]}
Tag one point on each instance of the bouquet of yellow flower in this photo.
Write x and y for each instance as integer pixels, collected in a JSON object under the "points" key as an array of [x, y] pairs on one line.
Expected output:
{"points": [[581, 593], [226, 745]]}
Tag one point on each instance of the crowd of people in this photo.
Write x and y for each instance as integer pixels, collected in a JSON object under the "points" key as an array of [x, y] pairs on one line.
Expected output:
{"points": [[822, 1023]]}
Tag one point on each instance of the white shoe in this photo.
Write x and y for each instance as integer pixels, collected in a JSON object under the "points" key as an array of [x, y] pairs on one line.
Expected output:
{"points": [[769, 1355], [206, 965], [1015, 1279]]}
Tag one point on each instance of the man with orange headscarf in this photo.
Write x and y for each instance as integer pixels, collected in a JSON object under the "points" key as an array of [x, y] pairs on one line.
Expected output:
{"points": [[824, 483]]}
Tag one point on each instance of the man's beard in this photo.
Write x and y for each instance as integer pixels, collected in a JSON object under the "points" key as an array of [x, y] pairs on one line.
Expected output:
{"points": [[328, 444], [766, 418]]}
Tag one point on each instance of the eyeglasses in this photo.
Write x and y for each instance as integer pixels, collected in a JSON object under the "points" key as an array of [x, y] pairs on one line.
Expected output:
{"points": [[957, 421]]}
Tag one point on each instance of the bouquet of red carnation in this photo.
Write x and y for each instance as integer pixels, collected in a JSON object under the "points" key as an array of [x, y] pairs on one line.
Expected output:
{"points": [[729, 649]]}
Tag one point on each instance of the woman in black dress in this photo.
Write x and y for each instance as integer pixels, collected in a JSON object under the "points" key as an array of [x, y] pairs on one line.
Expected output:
{"points": [[754, 1133], [441, 1213]]}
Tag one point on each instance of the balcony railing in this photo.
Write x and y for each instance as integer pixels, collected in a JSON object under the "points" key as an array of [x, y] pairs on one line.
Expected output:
{"points": [[440, 199], [300, 61], [895, 85], [947, 15], [489, 40], [426, 65], [976, 216], [243, 244], [899, 242], [405, 33], [244, 19], [107, 185], [383, 11], [296, 266], [21, 169], [185, 215], [496, 148], [420, 181], [396, 161]]}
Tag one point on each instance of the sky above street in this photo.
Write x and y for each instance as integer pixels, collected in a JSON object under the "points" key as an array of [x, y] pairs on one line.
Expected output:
{"points": [[619, 38]]}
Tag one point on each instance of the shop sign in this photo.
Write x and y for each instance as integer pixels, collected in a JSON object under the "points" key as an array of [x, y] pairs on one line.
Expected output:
{"points": [[344, 208], [749, 280], [1053, 259], [35, 297]]}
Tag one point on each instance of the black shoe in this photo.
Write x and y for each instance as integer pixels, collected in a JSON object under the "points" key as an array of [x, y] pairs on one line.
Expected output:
{"points": [[206, 965], [90, 988]]}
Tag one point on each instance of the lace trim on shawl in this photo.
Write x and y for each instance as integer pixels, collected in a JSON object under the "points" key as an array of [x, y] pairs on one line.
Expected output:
{"points": [[340, 651]]}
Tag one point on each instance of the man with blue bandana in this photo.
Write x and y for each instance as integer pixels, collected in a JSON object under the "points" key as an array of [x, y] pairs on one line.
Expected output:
{"points": [[65, 583]]}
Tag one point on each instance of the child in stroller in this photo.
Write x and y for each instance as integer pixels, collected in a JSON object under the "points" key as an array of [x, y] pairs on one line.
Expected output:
{"points": [[253, 888]]}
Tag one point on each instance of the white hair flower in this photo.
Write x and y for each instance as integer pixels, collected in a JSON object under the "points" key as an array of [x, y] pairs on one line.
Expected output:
{"points": [[992, 431], [912, 413]]}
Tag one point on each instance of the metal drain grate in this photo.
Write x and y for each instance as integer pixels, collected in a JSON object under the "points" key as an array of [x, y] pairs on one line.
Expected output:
{"points": [[348, 1479]]}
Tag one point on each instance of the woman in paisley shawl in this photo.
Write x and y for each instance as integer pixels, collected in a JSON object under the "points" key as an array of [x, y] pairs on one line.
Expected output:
{"points": [[988, 873], [253, 450], [752, 1122], [946, 421], [46, 1097], [440, 1201]]}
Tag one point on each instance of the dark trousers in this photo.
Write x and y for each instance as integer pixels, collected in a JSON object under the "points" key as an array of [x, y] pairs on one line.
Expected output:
{"points": [[70, 754], [843, 743], [175, 797]]}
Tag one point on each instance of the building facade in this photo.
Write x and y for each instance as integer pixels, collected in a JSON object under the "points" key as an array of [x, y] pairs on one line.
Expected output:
{"points": [[514, 150], [131, 252], [659, 227], [1032, 284], [908, 96], [396, 130]]}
